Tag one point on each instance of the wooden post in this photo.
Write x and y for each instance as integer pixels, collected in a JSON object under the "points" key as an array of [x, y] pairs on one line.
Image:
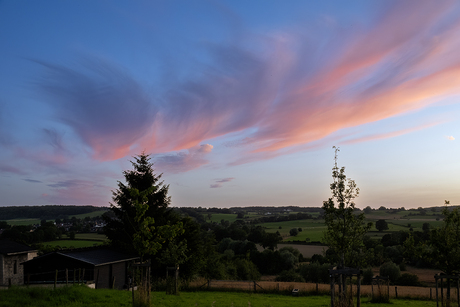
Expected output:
{"points": [[176, 277], [79, 275], [442, 294], [74, 275], [437, 300], [67, 276], [332, 290], [83, 276], [55, 279], [388, 286], [372, 289], [113, 282], [431, 296], [396, 292], [316, 287], [97, 279], [358, 292], [458, 295], [28, 279]]}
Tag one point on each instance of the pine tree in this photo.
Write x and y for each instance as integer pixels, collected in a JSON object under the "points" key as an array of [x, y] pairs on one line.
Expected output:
{"points": [[142, 217]]}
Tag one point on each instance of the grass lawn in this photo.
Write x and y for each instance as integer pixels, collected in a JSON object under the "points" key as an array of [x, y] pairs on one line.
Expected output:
{"points": [[82, 296], [72, 243]]}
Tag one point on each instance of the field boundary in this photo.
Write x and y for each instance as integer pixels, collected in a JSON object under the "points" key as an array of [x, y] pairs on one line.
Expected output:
{"points": [[312, 288]]}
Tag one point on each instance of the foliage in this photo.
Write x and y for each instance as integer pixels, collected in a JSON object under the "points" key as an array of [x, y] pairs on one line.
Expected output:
{"points": [[391, 270], [290, 275], [368, 274], [381, 225], [315, 272], [407, 279], [294, 232], [47, 212], [444, 243], [345, 229], [141, 222]]}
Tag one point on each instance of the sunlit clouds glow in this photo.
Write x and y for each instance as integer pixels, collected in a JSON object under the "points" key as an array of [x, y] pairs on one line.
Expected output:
{"points": [[259, 91]]}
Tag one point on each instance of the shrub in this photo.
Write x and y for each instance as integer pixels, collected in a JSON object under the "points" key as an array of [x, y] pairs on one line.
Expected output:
{"points": [[315, 272], [290, 275], [391, 270], [367, 276], [402, 266], [407, 279], [293, 232]]}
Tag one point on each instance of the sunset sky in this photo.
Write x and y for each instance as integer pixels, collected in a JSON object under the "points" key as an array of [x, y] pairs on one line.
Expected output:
{"points": [[238, 102]]}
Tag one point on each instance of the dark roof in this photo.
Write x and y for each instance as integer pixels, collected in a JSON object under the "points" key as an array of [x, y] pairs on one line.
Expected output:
{"points": [[93, 256], [8, 247], [99, 256]]}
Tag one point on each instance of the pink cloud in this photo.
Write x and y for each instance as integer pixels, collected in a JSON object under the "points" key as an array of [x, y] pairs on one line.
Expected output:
{"points": [[281, 100]]}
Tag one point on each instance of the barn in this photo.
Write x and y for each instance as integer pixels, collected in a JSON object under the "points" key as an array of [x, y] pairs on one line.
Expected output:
{"points": [[103, 267], [12, 254]]}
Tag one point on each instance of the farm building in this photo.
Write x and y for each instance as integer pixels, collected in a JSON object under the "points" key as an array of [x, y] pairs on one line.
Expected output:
{"points": [[103, 267], [12, 254]]}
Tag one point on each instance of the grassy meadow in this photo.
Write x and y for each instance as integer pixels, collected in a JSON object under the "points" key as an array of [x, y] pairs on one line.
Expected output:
{"points": [[83, 296], [72, 243], [81, 240]]}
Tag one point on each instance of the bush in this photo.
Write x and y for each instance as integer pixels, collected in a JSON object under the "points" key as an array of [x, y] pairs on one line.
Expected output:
{"points": [[407, 279], [367, 276], [293, 232], [402, 266], [391, 270], [315, 272], [290, 275]]}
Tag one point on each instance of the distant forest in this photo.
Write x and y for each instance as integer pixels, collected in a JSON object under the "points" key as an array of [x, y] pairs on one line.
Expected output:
{"points": [[47, 212]]}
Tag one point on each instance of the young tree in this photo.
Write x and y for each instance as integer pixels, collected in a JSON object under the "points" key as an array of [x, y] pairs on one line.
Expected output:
{"points": [[445, 246], [345, 229]]}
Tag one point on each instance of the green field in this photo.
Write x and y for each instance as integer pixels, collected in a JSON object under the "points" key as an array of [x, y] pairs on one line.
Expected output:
{"points": [[83, 296], [91, 214], [310, 229], [217, 217], [81, 240], [72, 243], [23, 222]]}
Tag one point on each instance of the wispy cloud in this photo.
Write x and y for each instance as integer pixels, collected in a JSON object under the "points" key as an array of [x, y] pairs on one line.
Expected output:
{"points": [[32, 180], [450, 138], [104, 106], [185, 160], [281, 96], [219, 182]]}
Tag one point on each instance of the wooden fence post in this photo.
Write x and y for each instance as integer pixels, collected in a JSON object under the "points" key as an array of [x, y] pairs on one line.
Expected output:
{"points": [[358, 292], [396, 292], [332, 290], [55, 279], [66, 276]]}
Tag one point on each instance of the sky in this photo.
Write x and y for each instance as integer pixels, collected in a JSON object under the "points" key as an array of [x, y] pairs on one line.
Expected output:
{"points": [[238, 103]]}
